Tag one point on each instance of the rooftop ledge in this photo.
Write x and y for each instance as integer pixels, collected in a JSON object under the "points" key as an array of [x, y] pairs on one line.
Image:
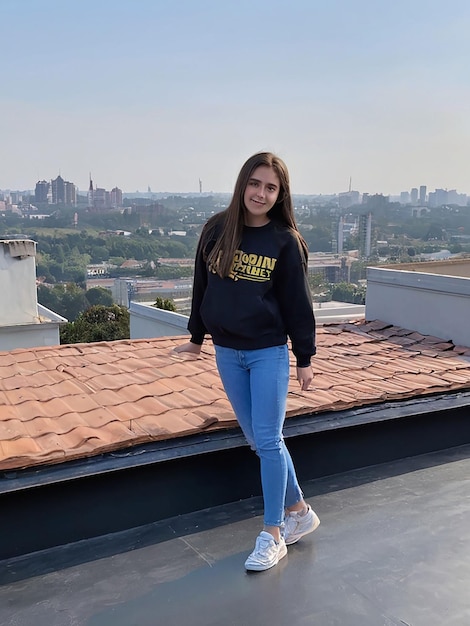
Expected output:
{"points": [[431, 298]]}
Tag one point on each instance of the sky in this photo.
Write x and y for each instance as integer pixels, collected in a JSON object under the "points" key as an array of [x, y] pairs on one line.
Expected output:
{"points": [[164, 93]]}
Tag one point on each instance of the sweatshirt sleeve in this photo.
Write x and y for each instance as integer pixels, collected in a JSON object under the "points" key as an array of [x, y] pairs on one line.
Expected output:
{"points": [[295, 302], [195, 324]]}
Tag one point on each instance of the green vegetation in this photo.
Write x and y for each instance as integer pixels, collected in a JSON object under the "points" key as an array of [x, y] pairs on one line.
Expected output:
{"points": [[70, 300], [164, 303], [63, 252], [63, 257], [347, 292], [98, 323], [91, 314]]}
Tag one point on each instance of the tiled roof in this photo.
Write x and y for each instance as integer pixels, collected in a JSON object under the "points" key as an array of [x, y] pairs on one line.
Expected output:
{"points": [[72, 401]]}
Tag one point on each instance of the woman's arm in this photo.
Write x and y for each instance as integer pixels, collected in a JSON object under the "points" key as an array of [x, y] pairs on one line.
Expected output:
{"points": [[305, 377], [188, 348], [295, 302], [195, 324]]}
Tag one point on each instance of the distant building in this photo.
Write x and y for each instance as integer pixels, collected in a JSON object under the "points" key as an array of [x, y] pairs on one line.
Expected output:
{"points": [[422, 194], [376, 201], [37, 216], [439, 197], [414, 195], [340, 237], [404, 197], [132, 264], [70, 194], [58, 190], [116, 197], [97, 269], [99, 199], [61, 192], [453, 197], [41, 191], [365, 233], [348, 199]]}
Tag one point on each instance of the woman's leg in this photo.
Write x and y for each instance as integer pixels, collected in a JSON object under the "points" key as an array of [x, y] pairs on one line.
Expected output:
{"points": [[294, 496], [269, 379], [236, 381], [256, 384]]}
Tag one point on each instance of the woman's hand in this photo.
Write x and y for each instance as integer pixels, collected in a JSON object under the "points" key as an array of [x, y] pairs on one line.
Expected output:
{"points": [[192, 350], [305, 377]]}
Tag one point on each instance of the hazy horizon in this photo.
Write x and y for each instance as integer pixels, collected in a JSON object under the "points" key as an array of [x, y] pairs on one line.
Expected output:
{"points": [[157, 195], [164, 94]]}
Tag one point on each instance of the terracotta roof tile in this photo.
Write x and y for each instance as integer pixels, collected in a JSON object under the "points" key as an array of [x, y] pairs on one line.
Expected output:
{"points": [[66, 402], [17, 451], [454, 377]]}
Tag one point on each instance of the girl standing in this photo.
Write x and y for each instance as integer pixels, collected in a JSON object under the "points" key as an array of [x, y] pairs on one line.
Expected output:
{"points": [[250, 294]]}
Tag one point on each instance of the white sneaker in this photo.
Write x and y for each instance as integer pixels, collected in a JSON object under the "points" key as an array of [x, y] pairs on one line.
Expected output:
{"points": [[267, 552], [296, 525]]}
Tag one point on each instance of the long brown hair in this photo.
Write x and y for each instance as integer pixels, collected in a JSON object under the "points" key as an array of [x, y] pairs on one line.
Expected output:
{"points": [[227, 227]]}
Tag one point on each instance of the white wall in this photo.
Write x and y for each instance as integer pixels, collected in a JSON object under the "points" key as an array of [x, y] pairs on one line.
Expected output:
{"points": [[432, 304], [29, 336], [146, 321], [23, 322], [18, 302]]}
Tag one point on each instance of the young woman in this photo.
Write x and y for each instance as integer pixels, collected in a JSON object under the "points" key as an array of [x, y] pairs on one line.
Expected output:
{"points": [[250, 294]]}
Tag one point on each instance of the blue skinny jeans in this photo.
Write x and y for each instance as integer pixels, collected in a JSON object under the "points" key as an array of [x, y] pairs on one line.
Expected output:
{"points": [[256, 383]]}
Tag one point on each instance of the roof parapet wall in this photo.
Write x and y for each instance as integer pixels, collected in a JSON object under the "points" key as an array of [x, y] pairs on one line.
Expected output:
{"points": [[433, 303]]}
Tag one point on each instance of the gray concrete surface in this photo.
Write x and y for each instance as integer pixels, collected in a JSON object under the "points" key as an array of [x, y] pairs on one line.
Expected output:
{"points": [[393, 549]]}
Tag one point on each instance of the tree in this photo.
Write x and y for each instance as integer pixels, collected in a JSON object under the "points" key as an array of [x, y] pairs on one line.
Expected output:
{"points": [[347, 292], [98, 323], [49, 298], [99, 295], [165, 303], [99, 254], [66, 300]]}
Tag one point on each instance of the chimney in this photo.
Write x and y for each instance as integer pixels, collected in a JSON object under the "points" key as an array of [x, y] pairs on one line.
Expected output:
{"points": [[18, 304]]}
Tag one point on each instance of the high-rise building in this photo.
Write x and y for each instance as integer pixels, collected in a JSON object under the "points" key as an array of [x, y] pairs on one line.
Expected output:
{"points": [[453, 197], [437, 198], [100, 201], [116, 197], [404, 197], [58, 190], [340, 242], [41, 191], [414, 195], [422, 195], [365, 235], [70, 193], [62, 192]]}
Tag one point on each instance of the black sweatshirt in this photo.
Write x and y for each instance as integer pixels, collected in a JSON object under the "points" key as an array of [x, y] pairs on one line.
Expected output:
{"points": [[265, 299]]}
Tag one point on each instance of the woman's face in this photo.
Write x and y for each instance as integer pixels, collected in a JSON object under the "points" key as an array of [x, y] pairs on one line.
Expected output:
{"points": [[261, 193]]}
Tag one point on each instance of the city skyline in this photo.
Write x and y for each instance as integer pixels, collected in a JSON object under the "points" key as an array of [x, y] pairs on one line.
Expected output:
{"points": [[162, 95], [151, 192]]}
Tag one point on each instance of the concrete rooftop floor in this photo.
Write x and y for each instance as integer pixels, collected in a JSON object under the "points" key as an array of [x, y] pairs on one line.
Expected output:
{"points": [[393, 549]]}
